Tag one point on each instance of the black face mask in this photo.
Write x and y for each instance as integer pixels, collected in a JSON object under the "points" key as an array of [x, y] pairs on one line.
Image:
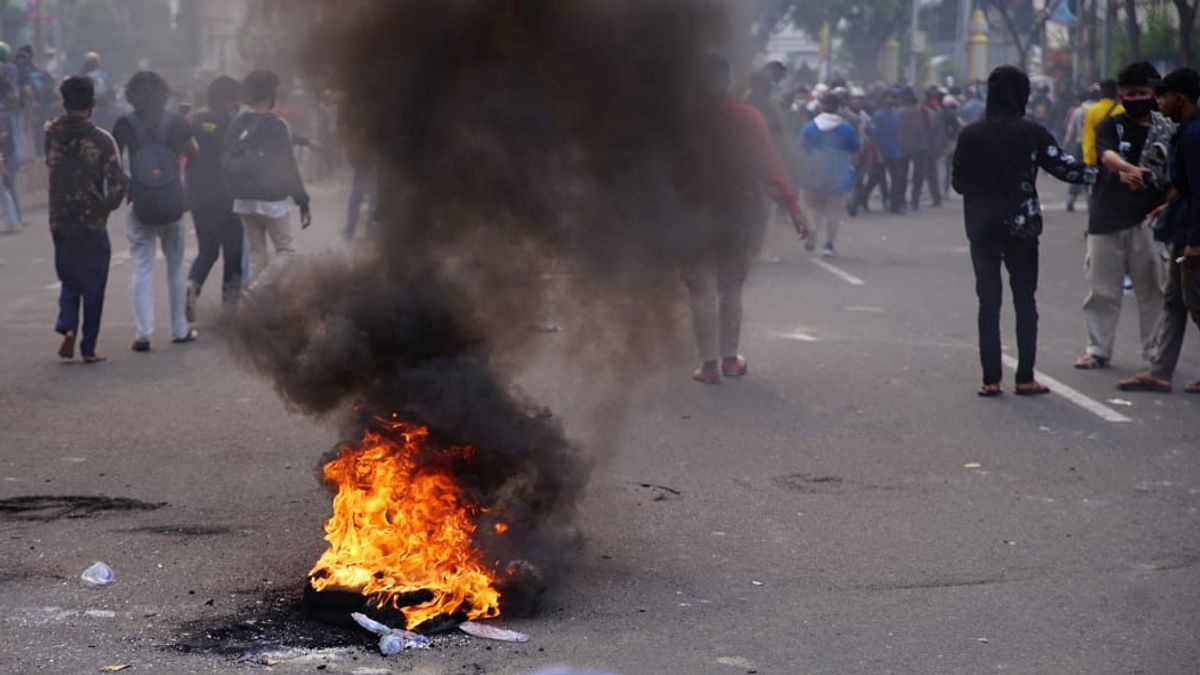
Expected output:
{"points": [[1140, 108]]}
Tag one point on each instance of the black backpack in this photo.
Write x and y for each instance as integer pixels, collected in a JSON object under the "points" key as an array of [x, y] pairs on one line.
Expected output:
{"points": [[250, 169], [157, 184]]}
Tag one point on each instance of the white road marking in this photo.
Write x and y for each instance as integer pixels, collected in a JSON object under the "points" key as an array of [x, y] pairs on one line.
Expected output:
{"points": [[864, 308], [1074, 396], [839, 272], [54, 286]]}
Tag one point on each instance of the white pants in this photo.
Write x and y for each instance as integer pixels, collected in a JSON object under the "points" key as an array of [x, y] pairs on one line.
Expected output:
{"points": [[1109, 258], [825, 209], [141, 254], [258, 229]]}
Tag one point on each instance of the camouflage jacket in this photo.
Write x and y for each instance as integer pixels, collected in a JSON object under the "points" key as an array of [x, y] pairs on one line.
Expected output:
{"points": [[86, 178]]}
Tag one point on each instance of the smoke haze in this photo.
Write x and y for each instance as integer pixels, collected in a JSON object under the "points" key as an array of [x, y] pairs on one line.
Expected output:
{"points": [[537, 158]]}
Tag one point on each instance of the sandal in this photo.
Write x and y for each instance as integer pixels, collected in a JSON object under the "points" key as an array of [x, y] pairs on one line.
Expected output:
{"points": [[709, 373], [1144, 382], [67, 349], [191, 336], [94, 358], [1034, 388], [1193, 388], [990, 390], [1091, 362]]}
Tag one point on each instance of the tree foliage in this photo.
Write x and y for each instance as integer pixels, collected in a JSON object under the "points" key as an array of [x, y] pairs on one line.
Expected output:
{"points": [[863, 26]]}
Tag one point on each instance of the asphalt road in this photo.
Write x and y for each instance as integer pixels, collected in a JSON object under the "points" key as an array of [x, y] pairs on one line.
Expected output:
{"points": [[851, 507]]}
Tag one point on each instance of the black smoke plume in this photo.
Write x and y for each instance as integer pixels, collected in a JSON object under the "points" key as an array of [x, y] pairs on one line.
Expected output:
{"points": [[536, 157]]}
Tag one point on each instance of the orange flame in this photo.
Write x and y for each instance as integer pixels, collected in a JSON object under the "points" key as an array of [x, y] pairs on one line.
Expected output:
{"points": [[401, 523]]}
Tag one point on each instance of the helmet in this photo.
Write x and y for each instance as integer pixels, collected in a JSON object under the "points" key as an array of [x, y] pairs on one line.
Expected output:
{"points": [[93, 57], [5, 52]]}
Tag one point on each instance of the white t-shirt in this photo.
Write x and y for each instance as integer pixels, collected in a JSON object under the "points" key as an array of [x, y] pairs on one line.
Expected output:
{"points": [[275, 210]]}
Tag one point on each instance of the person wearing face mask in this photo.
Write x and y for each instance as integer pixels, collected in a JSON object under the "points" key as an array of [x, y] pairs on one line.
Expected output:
{"points": [[1117, 242], [1178, 226]]}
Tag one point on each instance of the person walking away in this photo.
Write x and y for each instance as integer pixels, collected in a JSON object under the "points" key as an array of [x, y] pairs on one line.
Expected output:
{"points": [[363, 188], [262, 174], [1117, 244], [218, 228], [715, 274], [829, 142], [914, 134], [1073, 140], [1179, 227], [973, 108], [86, 184], [995, 170], [156, 140], [41, 94], [885, 136], [1105, 106]]}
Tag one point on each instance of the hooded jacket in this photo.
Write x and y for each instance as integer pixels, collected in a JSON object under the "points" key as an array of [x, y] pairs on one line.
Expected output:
{"points": [[997, 159], [829, 141], [86, 178]]}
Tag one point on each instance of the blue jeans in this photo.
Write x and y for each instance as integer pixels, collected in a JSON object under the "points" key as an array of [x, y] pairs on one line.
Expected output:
{"points": [[81, 260], [141, 254], [8, 200]]}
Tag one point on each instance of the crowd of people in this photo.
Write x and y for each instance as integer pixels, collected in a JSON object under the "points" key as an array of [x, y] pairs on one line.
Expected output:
{"points": [[1138, 163], [818, 154], [241, 172]]}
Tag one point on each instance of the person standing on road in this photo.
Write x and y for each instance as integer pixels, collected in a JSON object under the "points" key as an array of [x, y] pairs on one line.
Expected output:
{"points": [[1124, 195], [1106, 106], [885, 135], [914, 134], [86, 184], [261, 172], [995, 170], [715, 274], [218, 228], [156, 141], [1073, 141], [1179, 227], [828, 143]]}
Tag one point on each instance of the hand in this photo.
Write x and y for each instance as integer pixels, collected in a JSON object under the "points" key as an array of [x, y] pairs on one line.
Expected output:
{"points": [[305, 218], [1153, 215], [1134, 177], [800, 224]]}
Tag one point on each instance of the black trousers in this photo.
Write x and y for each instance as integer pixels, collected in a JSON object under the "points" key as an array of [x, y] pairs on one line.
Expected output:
{"points": [[898, 173], [873, 175], [218, 234], [1020, 257], [81, 259]]}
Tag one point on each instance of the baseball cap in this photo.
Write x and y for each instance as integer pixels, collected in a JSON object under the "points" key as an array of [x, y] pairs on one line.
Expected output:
{"points": [[1182, 81]]}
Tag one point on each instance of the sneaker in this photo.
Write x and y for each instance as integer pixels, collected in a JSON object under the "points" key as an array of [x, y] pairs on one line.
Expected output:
{"points": [[829, 251], [734, 367], [191, 336], [708, 374], [189, 304], [141, 345], [1128, 284]]}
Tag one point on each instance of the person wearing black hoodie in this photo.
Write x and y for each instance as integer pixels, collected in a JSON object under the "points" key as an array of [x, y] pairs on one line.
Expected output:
{"points": [[86, 184], [218, 228], [995, 170]]}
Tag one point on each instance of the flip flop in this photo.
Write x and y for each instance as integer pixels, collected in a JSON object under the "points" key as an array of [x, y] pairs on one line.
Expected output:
{"points": [[1031, 389], [1091, 362], [95, 358], [1193, 388], [1144, 382], [67, 349], [988, 391]]}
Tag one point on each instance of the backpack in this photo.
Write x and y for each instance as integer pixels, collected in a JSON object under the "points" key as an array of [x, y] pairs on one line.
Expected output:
{"points": [[249, 168], [157, 184]]}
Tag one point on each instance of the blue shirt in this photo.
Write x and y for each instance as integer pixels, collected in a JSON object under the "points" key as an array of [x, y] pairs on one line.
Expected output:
{"points": [[1185, 176], [829, 152], [886, 134]]}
